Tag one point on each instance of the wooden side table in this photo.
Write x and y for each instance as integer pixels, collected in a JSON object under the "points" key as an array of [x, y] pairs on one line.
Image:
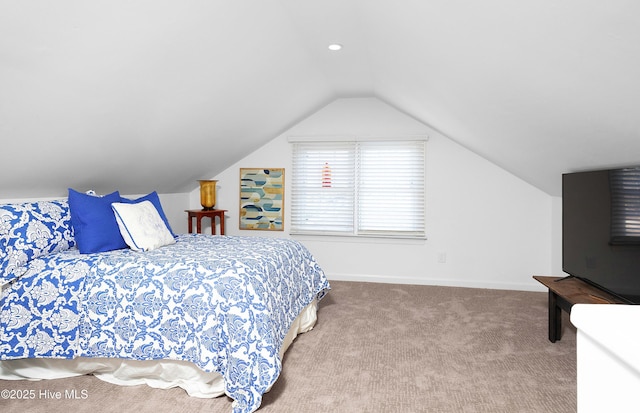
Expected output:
{"points": [[198, 214], [564, 292]]}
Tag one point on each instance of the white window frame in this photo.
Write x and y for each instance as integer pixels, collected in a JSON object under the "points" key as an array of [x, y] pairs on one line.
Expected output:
{"points": [[309, 185]]}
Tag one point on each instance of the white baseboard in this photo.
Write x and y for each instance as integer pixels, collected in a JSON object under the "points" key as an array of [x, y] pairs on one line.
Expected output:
{"points": [[531, 286]]}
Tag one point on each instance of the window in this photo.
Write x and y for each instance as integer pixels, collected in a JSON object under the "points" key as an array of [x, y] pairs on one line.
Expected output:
{"points": [[359, 187]]}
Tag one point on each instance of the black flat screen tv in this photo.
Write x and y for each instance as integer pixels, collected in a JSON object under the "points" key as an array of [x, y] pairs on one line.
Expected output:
{"points": [[601, 229]]}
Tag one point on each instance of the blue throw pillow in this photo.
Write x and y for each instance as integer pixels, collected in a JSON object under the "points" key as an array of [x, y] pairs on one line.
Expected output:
{"points": [[94, 224], [155, 200]]}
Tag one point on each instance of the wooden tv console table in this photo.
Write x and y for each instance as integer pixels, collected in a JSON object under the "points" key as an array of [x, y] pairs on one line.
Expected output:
{"points": [[564, 292]]}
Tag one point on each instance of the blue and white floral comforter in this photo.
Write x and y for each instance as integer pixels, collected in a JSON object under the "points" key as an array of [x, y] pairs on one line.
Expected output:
{"points": [[223, 303]]}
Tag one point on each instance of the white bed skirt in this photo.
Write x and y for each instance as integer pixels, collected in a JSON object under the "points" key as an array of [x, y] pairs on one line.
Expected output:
{"points": [[161, 374]]}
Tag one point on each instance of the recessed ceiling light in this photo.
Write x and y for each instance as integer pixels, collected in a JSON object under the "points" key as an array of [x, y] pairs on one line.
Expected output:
{"points": [[335, 47]]}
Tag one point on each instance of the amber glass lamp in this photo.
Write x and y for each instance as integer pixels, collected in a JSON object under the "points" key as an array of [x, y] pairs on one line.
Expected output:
{"points": [[207, 194]]}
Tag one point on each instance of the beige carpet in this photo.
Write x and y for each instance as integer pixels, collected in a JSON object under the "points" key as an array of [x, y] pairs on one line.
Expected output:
{"points": [[383, 348]]}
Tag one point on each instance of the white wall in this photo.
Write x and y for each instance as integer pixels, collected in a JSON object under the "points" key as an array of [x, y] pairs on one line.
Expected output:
{"points": [[493, 229]]}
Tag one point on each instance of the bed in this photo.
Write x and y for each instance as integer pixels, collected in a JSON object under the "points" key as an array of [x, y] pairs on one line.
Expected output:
{"points": [[211, 314]]}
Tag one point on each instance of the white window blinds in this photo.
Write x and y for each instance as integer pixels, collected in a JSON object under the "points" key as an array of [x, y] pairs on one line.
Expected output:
{"points": [[323, 183], [367, 188]]}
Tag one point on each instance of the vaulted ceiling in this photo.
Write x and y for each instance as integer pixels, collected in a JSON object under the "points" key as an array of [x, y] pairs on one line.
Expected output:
{"points": [[119, 94]]}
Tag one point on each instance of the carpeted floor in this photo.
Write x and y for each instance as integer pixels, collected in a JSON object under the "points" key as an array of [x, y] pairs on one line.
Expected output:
{"points": [[381, 348]]}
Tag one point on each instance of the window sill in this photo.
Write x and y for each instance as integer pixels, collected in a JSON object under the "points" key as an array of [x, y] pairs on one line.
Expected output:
{"points": [[361, 239]]}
